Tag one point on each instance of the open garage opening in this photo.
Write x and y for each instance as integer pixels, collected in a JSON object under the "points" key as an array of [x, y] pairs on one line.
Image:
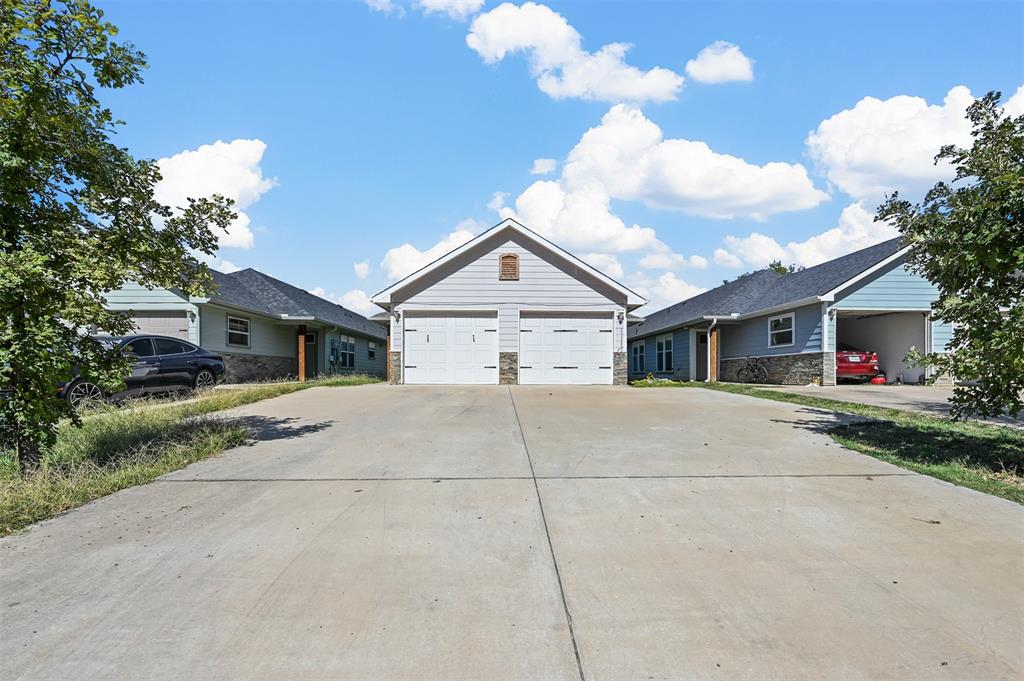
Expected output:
{"points": [[888, 334]]}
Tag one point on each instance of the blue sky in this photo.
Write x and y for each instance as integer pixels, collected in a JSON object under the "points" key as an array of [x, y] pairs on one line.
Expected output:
{"points": [[376, 133]]}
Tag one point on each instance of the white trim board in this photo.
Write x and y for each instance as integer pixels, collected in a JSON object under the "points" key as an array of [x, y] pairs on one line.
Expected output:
{"points": [[633, 299]]}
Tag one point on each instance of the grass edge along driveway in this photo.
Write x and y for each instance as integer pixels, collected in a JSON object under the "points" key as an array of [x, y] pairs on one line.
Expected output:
{"points": [[983, 457], [120, 447]]}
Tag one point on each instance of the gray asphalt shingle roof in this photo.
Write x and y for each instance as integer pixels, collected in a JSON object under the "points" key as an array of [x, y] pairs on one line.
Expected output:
{"points": [[258, 292], [765, 289]]}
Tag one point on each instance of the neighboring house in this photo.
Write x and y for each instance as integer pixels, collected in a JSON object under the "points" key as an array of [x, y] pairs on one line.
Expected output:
{"points": [[507, 307], [793, 322], [254, 321]]}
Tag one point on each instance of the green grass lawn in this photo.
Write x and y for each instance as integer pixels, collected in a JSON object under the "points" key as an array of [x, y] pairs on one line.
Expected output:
{"points": [[121, 446], [983, 457]]}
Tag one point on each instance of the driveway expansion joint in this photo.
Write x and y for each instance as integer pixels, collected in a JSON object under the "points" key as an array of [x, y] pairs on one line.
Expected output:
{"points": [[551, 546]]}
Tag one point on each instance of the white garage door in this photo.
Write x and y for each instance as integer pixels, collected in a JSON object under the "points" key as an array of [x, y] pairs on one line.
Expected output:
{"points": [[170, 323], [572, 348], [451, 348]]}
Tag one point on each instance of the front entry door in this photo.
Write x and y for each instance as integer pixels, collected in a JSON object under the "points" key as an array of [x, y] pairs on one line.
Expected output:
{"points": [[312, 347], [702, 357]]}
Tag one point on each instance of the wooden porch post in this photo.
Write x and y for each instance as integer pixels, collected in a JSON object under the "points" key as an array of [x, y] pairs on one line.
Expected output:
{"points": [[713, 369], [302, 353], [387, 355]]}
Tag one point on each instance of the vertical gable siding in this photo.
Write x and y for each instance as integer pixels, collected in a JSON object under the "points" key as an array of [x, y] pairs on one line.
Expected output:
{"points": [[897, 289], [750, 338], [474, 284]]}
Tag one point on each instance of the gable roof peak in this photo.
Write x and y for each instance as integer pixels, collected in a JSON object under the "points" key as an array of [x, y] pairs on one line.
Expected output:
{"points": [[633, 299]]}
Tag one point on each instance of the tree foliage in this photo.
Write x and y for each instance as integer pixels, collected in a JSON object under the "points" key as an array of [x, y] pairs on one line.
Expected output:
{"points": [[77, 213], [967, 237]]}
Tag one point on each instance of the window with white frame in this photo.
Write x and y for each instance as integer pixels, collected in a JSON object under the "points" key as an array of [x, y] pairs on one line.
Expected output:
{"points": [[638, 358], [238, 331], [664, 347], [780, 331], [371, 352], [348, 352]]}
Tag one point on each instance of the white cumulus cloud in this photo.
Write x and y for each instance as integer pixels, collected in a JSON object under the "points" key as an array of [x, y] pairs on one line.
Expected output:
{"points": [[356, 300], [460, 10], [543, 166], [880, 146], [558, 61], [856, 230], [726, 259], [605, 262], [403, 260], [231, 169], [386, 7], [1014, 106], [668, 260], [662, 291], [362, 269], [626, 158], [225, 266], [720, 62]]}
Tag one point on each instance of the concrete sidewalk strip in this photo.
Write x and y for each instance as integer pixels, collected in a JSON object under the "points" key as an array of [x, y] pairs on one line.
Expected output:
{"points": [[401, 533]]}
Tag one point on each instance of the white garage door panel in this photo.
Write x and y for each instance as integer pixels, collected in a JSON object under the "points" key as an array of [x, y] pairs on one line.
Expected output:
{"points": [[452, 349], [570, 349], [170, 323]]}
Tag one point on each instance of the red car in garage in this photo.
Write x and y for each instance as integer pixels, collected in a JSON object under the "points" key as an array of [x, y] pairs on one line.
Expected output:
{"points": [[854, 364]]}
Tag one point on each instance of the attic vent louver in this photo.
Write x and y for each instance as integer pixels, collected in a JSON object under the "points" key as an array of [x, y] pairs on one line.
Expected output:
{"points": [[508, 267]]}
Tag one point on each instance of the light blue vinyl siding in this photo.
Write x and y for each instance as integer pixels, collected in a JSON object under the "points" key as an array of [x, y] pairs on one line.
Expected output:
{"points": [[680, 355], [750, 337], [364, 365], [897, 289], [132, 296], [942, 333], [266, 337]]}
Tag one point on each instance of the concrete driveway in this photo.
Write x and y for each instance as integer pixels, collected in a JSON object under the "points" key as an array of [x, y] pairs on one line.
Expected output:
{"points": [[523, 533], [927, 399]]}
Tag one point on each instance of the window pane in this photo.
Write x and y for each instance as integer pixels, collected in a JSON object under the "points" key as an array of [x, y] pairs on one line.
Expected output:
{"points": [[166, 346], [782, 324], [235, 338], [235, 324], [782, 338], [140, 347], [668, 361]]}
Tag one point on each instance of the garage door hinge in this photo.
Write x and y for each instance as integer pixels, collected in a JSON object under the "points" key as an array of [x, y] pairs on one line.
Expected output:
{"points": [[566, 330], [525, 330], [606, 330], [604, 367], [565, 367], [410, 366], [525, 367], [490, 366]]}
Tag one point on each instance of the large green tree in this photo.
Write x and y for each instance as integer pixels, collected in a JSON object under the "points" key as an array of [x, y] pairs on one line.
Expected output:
{"points": [[77, 214], [967, 237]]}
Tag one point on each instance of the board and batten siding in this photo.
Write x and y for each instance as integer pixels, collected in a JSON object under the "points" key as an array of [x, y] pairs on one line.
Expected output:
{"points": [[471, 282], [749, 338]]}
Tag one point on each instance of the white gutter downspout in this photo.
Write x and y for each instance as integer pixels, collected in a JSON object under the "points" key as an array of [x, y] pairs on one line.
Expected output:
{"points": [[714, 323]]}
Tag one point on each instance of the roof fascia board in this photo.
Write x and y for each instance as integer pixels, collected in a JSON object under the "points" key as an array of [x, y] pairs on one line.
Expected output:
{"points": [[633, 299], [831, 295]]}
